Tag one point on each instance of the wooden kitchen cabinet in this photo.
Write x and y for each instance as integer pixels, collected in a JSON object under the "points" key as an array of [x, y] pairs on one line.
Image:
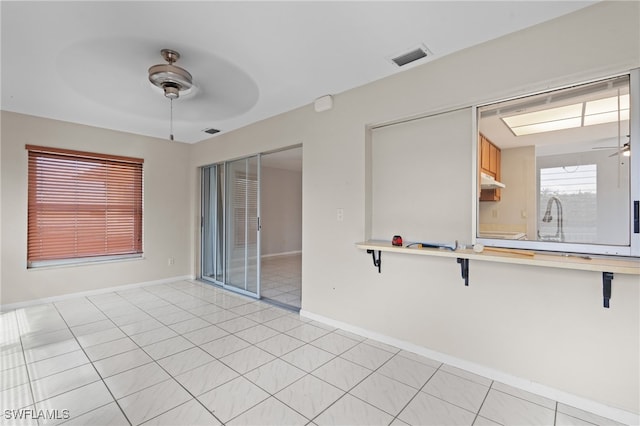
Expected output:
{"points": [[489, 164], [485, 153]]}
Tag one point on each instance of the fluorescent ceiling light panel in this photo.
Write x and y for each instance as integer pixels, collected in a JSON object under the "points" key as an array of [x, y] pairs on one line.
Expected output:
{"points": [[551, 114], [605, 117], [606, 105], [548, 126], [570, 116]]}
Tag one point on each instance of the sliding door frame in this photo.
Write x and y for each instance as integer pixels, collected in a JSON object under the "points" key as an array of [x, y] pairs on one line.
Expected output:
{"points": [[218, 236]]}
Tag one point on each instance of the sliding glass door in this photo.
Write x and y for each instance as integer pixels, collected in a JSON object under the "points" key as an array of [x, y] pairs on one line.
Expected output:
{"points": [[243, 225], [213, 223], [231, 225]]}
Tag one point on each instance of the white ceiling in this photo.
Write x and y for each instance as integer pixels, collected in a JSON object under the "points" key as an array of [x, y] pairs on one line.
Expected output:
{"points": [[86, 62]]}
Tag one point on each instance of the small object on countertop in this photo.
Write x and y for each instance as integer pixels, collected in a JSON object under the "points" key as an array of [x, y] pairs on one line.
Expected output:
{"points": [[397, 241], [478, 248], [511, 251], [453, 246], [577, 255]]}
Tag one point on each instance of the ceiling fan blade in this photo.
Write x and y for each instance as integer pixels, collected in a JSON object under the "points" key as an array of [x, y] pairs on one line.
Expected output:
{"points": [[621, 151]]}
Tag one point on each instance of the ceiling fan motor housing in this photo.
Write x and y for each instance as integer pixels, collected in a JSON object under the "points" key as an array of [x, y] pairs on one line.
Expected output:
{"points": [[170, 78]]}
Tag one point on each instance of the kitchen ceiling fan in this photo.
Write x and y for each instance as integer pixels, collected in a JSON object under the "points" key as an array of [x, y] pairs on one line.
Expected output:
{"points": [[624, 150]]}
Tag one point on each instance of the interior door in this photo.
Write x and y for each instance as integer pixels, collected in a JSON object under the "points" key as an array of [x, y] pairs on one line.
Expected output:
{"points": [[242, 230]]}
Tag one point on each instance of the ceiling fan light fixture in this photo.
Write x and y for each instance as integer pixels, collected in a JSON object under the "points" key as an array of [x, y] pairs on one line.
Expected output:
{"points": [[169, 77], [171, 91]]}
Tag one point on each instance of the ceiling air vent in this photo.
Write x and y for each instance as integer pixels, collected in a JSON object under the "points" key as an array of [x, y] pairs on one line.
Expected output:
{"points": [[411, 56], [211, 131]]}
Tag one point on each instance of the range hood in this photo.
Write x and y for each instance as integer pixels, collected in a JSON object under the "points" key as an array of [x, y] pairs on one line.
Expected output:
{"points": [[488, 182]]}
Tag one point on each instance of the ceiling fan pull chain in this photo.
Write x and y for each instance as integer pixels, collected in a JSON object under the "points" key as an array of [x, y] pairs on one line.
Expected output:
{"points": [[171, 120], [619, 143]]}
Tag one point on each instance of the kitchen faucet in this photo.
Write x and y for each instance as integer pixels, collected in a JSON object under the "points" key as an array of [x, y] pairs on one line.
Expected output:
{"points": [[548, 218]]}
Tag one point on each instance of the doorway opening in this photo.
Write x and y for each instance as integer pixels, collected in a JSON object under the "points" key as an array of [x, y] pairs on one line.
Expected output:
{"points": [[281, 219]]}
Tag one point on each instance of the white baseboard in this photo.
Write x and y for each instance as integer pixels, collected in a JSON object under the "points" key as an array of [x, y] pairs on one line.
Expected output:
{"points": [[563, 397], [18, 305], [286, 253]]}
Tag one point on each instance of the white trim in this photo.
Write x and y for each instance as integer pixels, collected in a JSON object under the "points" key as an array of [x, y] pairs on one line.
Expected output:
{"points": [[284, 253], [585, 404], [635, 158], [18, 305], [82, 261]]}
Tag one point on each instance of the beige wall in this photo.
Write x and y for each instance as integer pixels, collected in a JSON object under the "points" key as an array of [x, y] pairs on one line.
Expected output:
{"points": [[280, 211], [166, 209], [518, 173], [421, 179], [543, 325]]}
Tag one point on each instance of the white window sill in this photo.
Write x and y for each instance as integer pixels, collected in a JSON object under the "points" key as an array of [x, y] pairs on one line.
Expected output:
{"points": [[85, 261]]}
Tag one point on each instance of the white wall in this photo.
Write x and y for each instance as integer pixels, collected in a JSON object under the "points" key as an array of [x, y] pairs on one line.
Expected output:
{"points": [[421, 178], [518, 173], [280, 211], [166, 209], [543, 325]]}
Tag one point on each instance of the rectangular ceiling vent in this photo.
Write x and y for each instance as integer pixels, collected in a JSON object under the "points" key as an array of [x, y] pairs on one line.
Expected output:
{"points": [[211, 131], [411, 56]]}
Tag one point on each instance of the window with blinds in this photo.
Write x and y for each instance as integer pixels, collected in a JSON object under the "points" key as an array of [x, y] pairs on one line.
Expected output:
{"points": [[82, 206]]}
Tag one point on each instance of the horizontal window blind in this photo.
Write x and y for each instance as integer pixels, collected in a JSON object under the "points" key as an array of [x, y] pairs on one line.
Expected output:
{"points": [[245, 203], [82, 205]]}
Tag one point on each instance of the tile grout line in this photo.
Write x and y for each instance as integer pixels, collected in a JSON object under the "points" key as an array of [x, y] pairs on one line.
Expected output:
{"points": [[198, 346], [93, 366], [154, 360], [91, 361], [168, 373], [277, 357], [417, 393], [207, 298], [163, 369], [290, 384], [235, 371], [348, 392], [24, 358], [253, 369], [482, 404]]}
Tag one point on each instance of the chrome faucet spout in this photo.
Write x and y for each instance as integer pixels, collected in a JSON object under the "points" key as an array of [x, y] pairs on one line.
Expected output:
{"points": [[548, 217]]}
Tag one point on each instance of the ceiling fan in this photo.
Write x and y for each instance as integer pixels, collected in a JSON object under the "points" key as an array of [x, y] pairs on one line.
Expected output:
{"points": [[624, 150], [171, 78]]}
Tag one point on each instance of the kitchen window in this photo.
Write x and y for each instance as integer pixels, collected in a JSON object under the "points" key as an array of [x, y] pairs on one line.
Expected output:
{"points": [[82, 207], [569, 191]]}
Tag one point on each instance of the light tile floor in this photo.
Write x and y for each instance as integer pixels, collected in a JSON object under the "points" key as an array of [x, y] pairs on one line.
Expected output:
{"points": [[188, 353], [281, 279]]}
